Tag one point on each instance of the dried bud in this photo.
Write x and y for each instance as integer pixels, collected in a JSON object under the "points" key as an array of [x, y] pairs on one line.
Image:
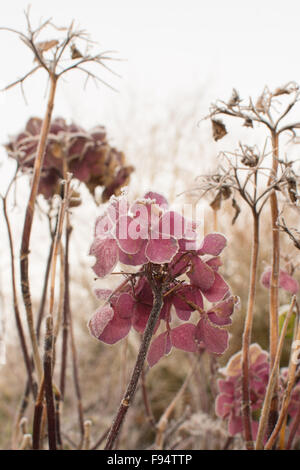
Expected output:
{"points": [[237, 210], [226, 191], [235, 99], [260, 104], [75, 53], [250, 158], [292, 188], [216, 203], [248, 122], [46, 45], [219, 129]]}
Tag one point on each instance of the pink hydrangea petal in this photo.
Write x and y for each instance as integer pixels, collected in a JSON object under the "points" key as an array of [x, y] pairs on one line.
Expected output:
{"points": [[214, 263], [223, 405], [183, 337], [215, 339], [134, 260], [226, 387], [235, 424], [115, 330], [286, 281], [161, 251], [221, 312], [212, 244], [104, 227], [179, 264], [217, 291], [100, 320], [103, 294], [107, 255], [172, 223], [191, 294], [159, 347], [124, 305], [158, 198], [127, 244], [201, 274]]}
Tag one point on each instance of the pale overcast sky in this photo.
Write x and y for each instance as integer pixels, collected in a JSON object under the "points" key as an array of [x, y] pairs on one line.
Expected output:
{"points": [[172, 48]]}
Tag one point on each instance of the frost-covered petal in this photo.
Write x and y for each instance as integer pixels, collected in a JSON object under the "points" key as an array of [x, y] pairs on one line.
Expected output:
{"points": [[183, 337], [134, 260], [159, 347], [217, 291], [159, 199], [103, 294], [223, 405], [221, 312], [161, 251], [286, 281], [124, 305], [129, 243], [215, 339], [107, 255], [201, 274], [104, 227], [235, 424], [115, 330], [100, 320], [212, 244], [186, 300], [173, 224]]}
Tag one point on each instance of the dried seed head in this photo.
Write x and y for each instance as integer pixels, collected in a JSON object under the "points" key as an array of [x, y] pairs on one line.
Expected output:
{"points": [[235, 99], [248, 122], [218, 128], [292, 188], [261, 104], [75, 53]]}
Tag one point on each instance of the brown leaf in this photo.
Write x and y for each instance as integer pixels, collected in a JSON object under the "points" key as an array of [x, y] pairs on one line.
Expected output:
{"points": [[44, 46], [237, 210], [235, 99], [216, 203], [218, 128], [75, 53], [248, 122]]}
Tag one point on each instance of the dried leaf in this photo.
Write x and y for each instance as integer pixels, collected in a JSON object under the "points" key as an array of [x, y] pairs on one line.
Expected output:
{"points": [[75, 53], [219, 129], [292, 189], [260, 104], [216, 203], [44, 46], [237, 211], [248, 122], [235, 99]]}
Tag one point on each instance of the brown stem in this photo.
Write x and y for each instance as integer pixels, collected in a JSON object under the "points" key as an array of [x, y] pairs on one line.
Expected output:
{"points": [[31, 382], [273, 380], [286, 398], [273, 318], [246, 408], [66, 310], [76, 378], [48, 355], [37, 418], [24, 253], [129, 394]]}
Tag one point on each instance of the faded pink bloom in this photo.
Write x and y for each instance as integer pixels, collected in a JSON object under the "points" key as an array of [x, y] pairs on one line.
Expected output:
{"points": [[87, 154], [149, 233], [229, 400], [286, 281]]}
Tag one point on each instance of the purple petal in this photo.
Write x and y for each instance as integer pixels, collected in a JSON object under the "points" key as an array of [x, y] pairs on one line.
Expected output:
{"points": [[221, 312], [102, 294], [100, 319], [223, 405], [134, 260]]}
